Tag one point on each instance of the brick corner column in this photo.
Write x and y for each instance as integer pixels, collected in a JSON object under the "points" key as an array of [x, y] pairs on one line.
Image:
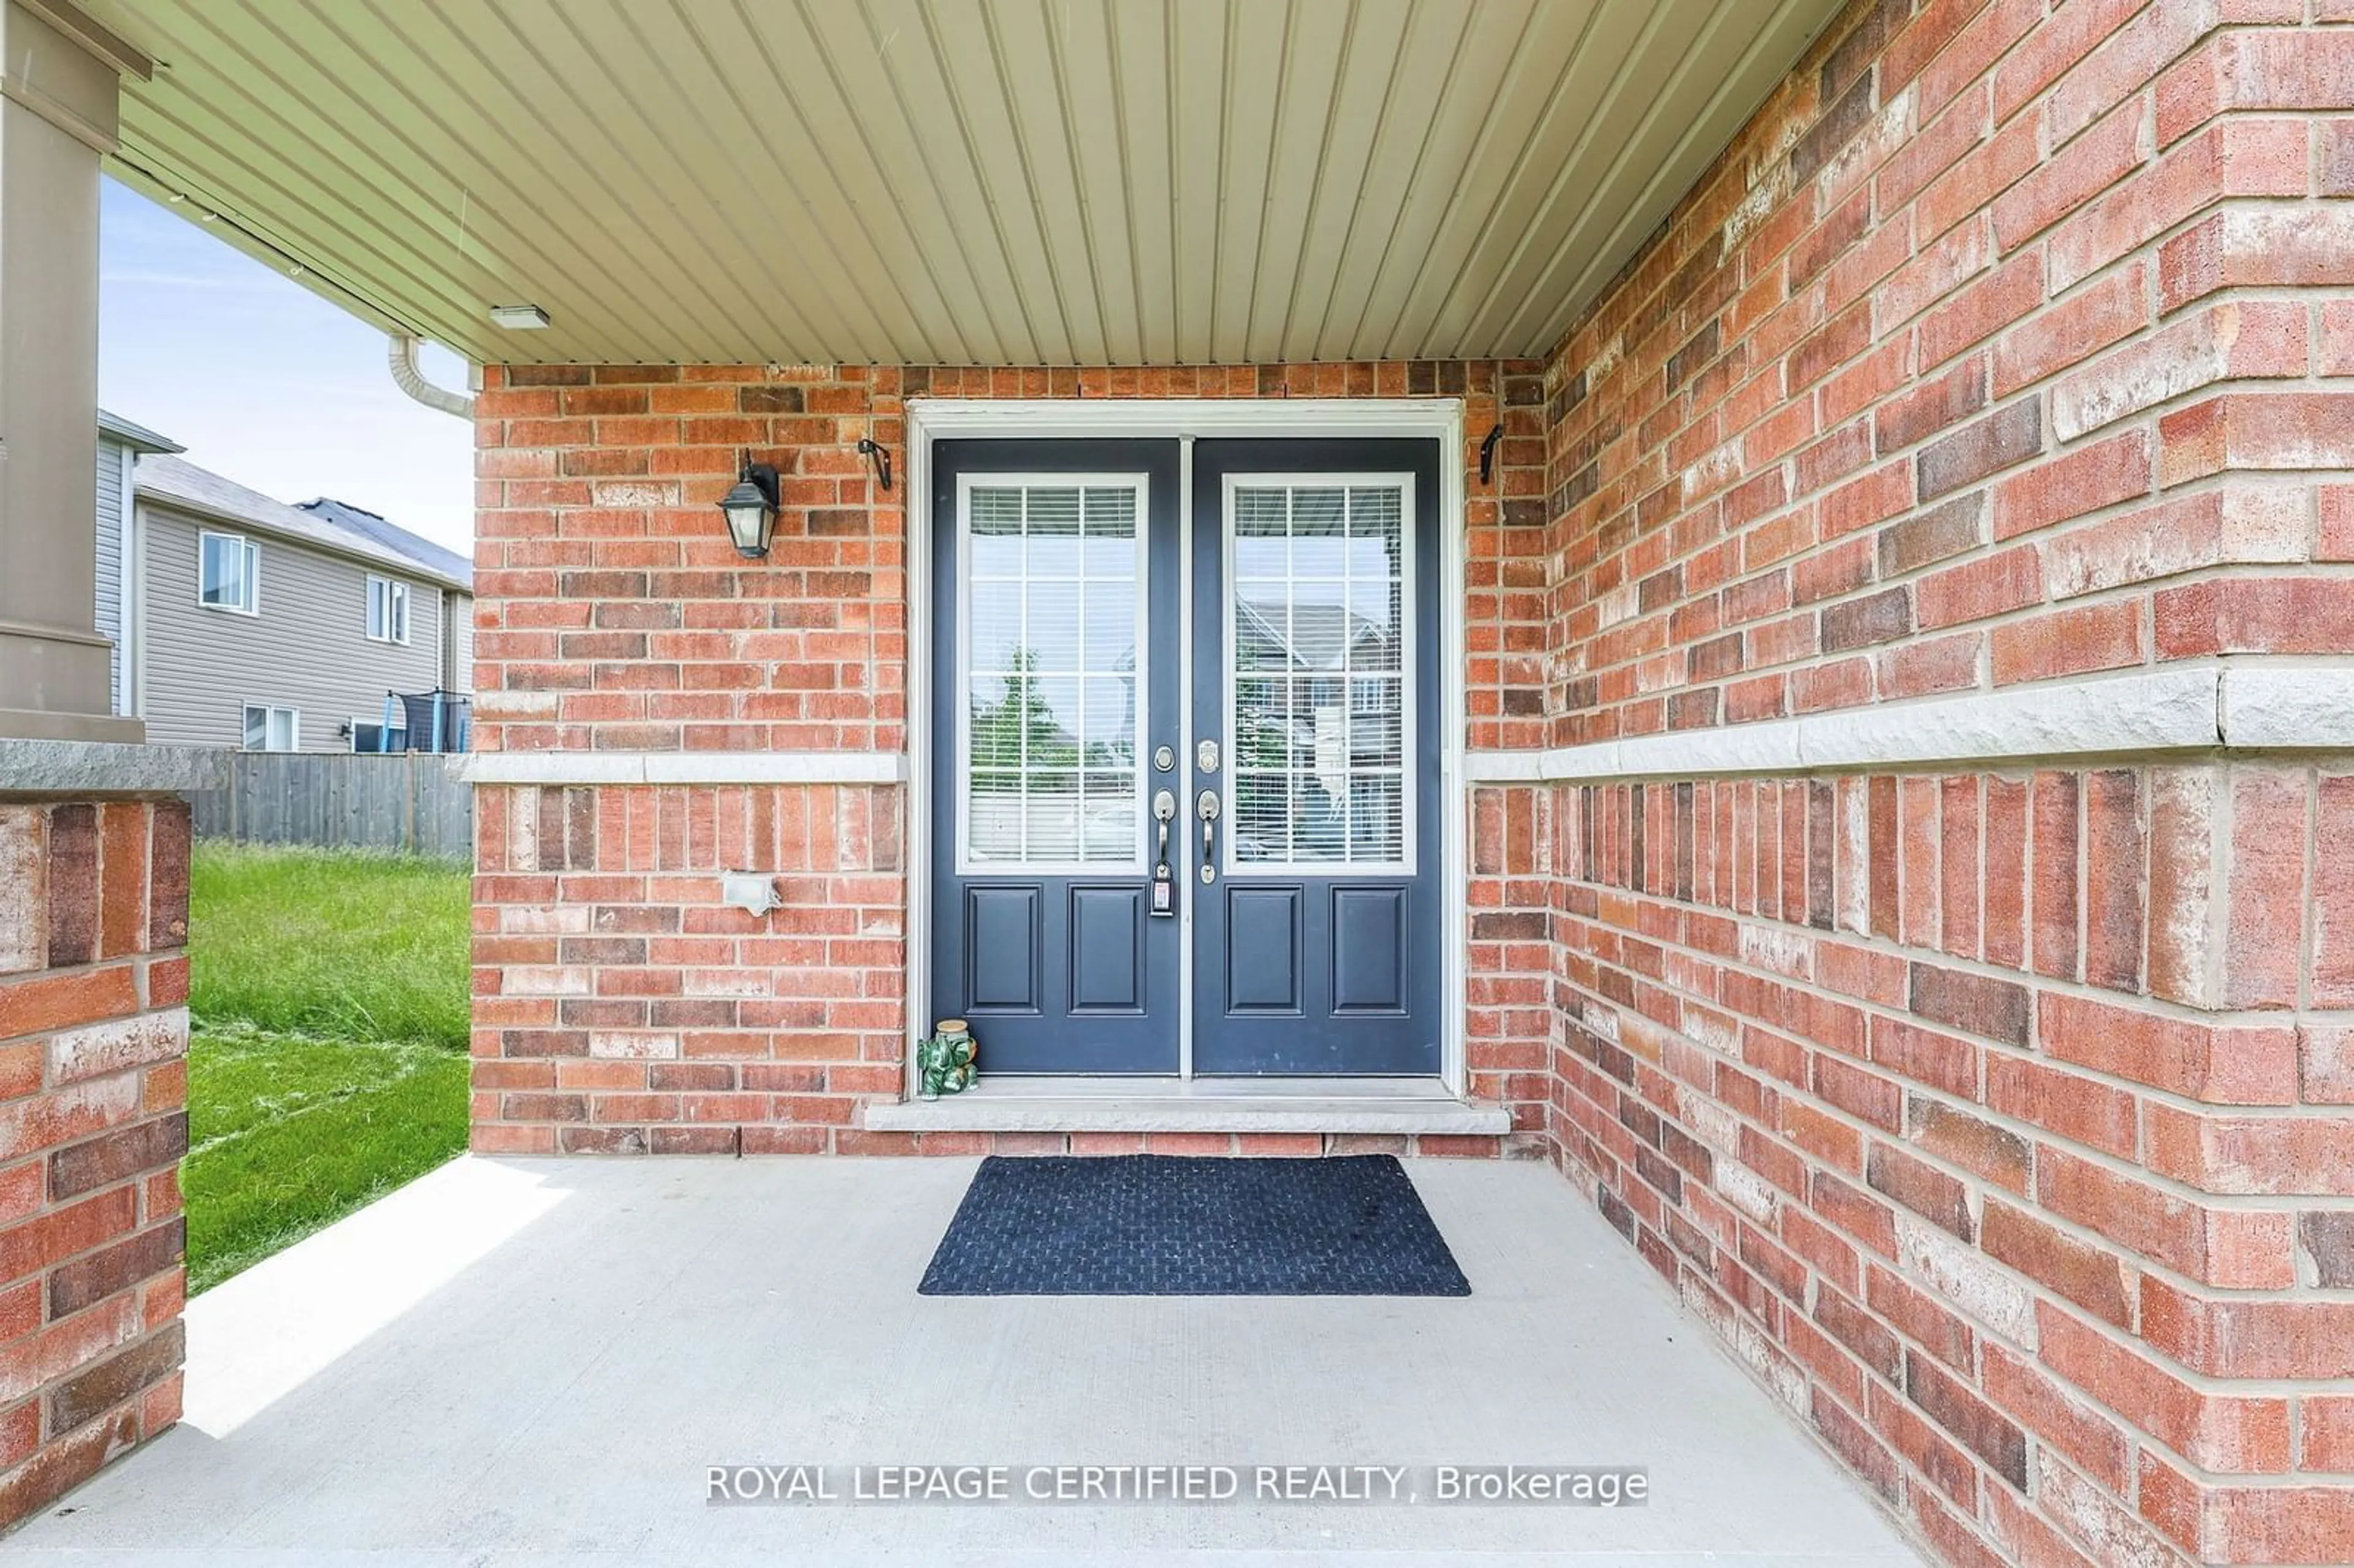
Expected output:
{"points": [[93, 1121]]}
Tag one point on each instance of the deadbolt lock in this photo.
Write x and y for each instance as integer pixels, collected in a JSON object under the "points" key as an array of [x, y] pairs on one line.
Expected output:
{"points": [[1206, 757]]}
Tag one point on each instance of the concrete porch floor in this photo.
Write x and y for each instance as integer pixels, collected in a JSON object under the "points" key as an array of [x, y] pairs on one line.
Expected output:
{"points": [[533, 1362]]}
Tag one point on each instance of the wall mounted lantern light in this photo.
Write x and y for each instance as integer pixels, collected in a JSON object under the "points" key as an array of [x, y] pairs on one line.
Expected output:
{"points": [[751, 508]]}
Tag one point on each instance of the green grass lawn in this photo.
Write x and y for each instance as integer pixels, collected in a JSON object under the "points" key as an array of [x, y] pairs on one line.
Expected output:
{"points": [[327, 1065]]}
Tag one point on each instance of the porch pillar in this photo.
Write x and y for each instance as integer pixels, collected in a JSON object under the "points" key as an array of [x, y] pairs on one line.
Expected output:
{"points": [[93, 840], [57, 117]]}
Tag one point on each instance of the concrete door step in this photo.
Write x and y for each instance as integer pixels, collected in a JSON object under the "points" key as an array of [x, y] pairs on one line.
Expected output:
{"points": [[1409, 1105]]}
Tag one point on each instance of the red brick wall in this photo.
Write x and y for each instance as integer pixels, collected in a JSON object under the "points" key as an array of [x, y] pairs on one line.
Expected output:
{"points": [[620, 1008], [2011, 1181], [619, 1005], [1973, 348], [611, 612], [1999, 1118], [93, 1090]]}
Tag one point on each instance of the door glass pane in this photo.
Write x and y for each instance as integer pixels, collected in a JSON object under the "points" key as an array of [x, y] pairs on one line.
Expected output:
{"points": [[1052, 674], [1051, 816], [1375, 614], [1317, 664], [996, 739], [1262, 811], [994, 628], [1107, 816]]}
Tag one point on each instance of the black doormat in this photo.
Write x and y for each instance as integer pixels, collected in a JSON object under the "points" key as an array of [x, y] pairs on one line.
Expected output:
{"points": [[1161, 1224]]}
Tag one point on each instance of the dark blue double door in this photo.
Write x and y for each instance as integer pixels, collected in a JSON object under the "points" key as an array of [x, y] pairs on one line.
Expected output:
{"points": [[1168, 745]]}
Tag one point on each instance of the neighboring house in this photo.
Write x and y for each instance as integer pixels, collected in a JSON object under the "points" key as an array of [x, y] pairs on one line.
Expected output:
{"points": [[452, 569], [242, 621]]}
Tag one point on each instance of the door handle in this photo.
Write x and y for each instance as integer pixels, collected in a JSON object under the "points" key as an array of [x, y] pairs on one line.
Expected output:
{"points": [[1205, 806], [1164, 889]]}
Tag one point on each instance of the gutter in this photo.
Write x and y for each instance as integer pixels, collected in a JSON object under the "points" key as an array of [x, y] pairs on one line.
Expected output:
{"points": [[400, 356]]}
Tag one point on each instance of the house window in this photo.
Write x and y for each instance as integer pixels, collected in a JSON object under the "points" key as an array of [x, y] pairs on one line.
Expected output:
{"points": [[387, 611], [372, 734], [229, 573], [273, 729]]}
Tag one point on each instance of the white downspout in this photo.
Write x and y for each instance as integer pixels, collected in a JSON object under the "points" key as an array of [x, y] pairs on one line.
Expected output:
{"points": [[131, 643], [400, 354]]}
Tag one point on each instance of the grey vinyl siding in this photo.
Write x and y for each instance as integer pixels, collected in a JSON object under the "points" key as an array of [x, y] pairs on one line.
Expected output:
{"points": [[307, 649], [111, 457]]}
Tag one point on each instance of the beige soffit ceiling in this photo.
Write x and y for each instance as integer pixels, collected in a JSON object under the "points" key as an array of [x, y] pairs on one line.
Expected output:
{"points": [[1019, 182]]}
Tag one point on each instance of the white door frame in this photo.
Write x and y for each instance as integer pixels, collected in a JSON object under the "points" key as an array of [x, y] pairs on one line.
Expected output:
{"points": [[1177, 418]]}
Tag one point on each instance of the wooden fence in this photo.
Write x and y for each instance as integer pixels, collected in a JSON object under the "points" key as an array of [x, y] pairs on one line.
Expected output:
{"points": [[411, 801]]}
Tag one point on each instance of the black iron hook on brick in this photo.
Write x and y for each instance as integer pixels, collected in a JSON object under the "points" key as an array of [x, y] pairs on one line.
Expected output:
{"points": [[881, 459], [1487, 454]]}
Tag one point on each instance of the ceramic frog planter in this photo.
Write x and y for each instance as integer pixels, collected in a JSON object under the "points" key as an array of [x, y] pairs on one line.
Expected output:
{"points": [[944, 1064]]}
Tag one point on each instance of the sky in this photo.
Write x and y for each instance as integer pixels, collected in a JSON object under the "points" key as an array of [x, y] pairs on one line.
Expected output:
{"points": [[267, 384]]}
